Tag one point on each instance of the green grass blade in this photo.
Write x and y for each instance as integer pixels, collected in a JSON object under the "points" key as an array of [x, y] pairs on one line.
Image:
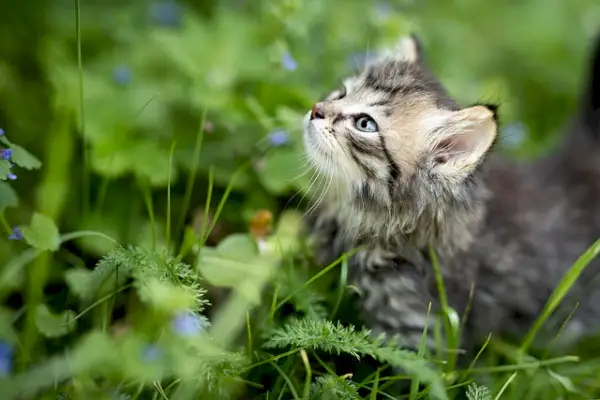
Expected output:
{"points": [[414, 386], [147, 196], [560, 292], [168, 229], [86, 162], [450, 327], [342, 287], [193, 172]]}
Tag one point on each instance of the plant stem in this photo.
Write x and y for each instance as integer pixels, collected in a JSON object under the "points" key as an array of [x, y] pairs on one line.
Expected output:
{"points": [[51, 196]]}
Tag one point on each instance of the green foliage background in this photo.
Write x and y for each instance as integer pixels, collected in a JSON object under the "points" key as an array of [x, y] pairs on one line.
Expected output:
{"points": [[116, 156]]}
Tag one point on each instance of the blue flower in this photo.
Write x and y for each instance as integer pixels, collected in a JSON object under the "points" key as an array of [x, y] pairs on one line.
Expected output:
{"points": [[151, 353], [166, 13], [1, 132], [288, 62], [6, 362], [122, 75], [6, 154], [12, 176], [16, 234], [383, 10], [188, 323], [278, 138], [514, 133]]}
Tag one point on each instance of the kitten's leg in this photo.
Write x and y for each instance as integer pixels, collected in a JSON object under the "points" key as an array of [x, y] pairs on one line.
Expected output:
{"points": [[396, 296]]}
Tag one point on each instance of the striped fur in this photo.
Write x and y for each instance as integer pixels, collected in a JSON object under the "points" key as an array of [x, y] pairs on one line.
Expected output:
{"points": [[425, 178]]}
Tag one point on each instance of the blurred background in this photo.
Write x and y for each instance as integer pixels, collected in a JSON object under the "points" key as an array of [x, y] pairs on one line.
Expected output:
{"points": [[150, 69], [118, 123]]}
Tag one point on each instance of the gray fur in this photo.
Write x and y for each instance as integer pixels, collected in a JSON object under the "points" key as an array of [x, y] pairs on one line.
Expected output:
{"points": [[508, 229]]}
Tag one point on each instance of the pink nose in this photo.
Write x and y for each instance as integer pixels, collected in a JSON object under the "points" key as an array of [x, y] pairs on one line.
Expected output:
{"points": [[317, 112]]}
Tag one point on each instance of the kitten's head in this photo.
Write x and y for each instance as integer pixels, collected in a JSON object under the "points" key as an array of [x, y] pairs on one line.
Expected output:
{"points": [[393, 127]]}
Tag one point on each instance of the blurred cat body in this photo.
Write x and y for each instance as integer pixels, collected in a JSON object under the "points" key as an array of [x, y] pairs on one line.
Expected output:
{"points": [[407, 167]]}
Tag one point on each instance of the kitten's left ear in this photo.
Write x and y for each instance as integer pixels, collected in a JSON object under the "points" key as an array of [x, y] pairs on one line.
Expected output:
{"points": [[406, 49], [409, 49], [463, 140]]}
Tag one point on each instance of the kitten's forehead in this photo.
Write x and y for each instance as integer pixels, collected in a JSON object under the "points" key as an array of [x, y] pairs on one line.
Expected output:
{"points": [[391, 81]]}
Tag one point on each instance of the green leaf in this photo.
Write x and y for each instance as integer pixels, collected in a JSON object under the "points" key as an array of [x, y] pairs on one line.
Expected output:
{"points": [[53, 325], [4, 169], [286, 236], [79, 282], [239, 247], [475, 392], [236, 263], [42, 233], [8, 196], [7, 332], [332, 387], [281, 171], [24, 159]]}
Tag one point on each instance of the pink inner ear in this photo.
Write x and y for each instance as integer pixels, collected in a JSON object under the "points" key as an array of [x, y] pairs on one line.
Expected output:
{"points": [[444, 149]]}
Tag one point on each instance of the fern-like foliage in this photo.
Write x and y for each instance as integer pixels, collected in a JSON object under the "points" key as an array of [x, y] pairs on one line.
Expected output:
{"points": [[335, 338], [476, 392], [145, 267], [331, 387]]}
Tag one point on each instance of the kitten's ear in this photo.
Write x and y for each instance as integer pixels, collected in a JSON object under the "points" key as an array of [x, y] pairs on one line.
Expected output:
{"points": [[407, 49], [463, 140]]}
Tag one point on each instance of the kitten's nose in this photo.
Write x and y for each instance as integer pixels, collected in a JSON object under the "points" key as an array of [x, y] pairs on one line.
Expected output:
{"points": [[317, 112]]}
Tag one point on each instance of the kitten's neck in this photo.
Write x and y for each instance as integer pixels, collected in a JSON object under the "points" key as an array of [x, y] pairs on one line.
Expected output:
{"points": [[448, 219]]}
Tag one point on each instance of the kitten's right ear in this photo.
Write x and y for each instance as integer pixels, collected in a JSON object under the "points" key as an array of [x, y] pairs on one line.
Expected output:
{"points": [[462, 140]]}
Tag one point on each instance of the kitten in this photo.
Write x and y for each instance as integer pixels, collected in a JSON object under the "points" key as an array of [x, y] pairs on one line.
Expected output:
{"points": [[408, 167]]}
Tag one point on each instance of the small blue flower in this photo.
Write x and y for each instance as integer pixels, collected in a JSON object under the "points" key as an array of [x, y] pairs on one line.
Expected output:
{"points": [[278, 138], [514, 133], [122, 75], [1, 132], [16, 234], [151, 353], [188, 323], [288, 62], [383, 10], [11, 176], [6, 362], [6, 154], [166, 13]]}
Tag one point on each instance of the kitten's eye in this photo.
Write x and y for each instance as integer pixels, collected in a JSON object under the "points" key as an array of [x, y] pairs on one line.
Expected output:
{"points": [[366, 124]]}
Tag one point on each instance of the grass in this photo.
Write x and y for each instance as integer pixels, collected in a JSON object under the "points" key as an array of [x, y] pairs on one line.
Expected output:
{"points": [[135, 320]]}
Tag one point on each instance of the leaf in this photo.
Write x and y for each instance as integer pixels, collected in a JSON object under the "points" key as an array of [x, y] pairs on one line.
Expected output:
{"points": [[52, 325], [475, 392], [42, 233], [332, 387], [236, 263], [4, 169], [24, 159], [238, 247], [8, 196], [333, 338], [79, 282], [7, 332], [286, 236], [281, 170]]}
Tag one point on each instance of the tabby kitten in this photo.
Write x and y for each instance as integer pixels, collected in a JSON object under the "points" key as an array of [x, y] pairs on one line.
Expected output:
{"points": [[408, 168]]}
